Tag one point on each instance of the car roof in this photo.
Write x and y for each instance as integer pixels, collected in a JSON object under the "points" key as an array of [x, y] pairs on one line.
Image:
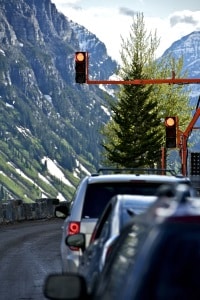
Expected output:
{"points": [[136, 177], [180, 204]]}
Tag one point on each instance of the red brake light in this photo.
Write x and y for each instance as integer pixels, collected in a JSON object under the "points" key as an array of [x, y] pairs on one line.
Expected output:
{"points": [[73, 228]]}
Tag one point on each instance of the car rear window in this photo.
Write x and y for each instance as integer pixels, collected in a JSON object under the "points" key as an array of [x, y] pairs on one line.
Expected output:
{"points": [[98, 195]]}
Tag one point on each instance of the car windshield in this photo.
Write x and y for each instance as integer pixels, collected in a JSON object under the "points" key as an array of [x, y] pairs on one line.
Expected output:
{"points": [[98, 195], [134, 207]]}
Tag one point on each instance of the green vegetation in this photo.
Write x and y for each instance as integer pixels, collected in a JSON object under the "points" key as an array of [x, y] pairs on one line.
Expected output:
{"points": [[135, 134]]}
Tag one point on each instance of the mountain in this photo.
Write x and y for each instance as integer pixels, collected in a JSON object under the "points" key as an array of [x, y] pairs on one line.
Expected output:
{"points": [[45, 116], [188, 47], [49, 125]]}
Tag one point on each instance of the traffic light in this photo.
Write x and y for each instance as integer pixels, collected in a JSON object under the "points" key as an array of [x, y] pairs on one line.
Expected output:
{"points": [[80, 67], [171, 131], [195, 163]]}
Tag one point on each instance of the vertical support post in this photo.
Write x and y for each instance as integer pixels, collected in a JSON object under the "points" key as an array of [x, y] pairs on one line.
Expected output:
{"points": [[163, 159]]}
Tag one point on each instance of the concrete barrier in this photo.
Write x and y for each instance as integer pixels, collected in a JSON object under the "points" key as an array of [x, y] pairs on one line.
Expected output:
{"points": [[16, 210]]}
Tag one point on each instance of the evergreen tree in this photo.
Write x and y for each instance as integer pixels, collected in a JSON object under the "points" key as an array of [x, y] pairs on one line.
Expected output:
{"points": [[135, 137], [136, 132]]}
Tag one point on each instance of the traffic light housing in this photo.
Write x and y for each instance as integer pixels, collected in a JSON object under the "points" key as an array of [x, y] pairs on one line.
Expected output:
{"points": [[80, 67], [171, 125]]}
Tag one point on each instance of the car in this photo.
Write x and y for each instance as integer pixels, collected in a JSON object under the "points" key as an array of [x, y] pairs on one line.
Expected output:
{"points": [[118, 212], [92, 195], [164, 243], [156, 257]]}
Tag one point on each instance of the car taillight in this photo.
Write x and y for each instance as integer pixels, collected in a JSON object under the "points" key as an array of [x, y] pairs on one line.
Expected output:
{"points": [[73, 228]]}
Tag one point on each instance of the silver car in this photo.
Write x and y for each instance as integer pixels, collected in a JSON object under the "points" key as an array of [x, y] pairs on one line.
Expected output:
{"points": [[119, 211], [91, 197]]}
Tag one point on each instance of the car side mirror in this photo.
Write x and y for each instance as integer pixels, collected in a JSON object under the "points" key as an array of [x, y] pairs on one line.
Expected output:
{"points": [[77, 240], [61, 211]]}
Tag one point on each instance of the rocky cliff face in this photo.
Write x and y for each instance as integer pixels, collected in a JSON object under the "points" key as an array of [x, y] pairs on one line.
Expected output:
{"points": [[188, 47], [43, 111], [45, 117]]}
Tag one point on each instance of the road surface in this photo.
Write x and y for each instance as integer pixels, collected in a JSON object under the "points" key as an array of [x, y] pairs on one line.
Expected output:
{"points": [[29, 251]]}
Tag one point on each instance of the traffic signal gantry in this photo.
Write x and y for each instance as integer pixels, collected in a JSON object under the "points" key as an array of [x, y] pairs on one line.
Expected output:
{"points": [[175, 138], [82, 76]]}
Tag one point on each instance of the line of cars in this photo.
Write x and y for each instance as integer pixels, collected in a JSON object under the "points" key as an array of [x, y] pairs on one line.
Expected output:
{"points": [[105, 210]]}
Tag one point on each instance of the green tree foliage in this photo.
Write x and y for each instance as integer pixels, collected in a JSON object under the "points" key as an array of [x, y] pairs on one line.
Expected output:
{"points": [[135, 138], [135, 133], [173, 100]]}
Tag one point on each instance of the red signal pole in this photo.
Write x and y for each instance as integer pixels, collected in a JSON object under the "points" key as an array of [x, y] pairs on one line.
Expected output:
{"points": [[147, 81], [172, 80], [183, 138]]}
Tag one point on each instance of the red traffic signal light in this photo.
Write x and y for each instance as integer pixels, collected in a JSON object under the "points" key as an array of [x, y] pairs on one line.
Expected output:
{"points": [[171, 124], [80, 67]]}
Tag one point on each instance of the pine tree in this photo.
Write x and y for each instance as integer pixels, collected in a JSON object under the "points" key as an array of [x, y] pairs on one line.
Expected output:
{"points": [[135, 137], [136, 132]]}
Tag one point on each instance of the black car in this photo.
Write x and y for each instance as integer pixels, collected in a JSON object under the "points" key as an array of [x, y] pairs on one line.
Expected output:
{"points": [[157, 257]]}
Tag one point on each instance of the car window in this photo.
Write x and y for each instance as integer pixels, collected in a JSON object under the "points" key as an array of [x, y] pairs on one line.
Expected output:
{"points": [[134, 207], [97, 195], [96, 199], [101, 227]]}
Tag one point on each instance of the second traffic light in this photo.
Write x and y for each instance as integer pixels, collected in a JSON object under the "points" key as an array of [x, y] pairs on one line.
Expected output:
{"points": [[171, 125], [80, 67]]}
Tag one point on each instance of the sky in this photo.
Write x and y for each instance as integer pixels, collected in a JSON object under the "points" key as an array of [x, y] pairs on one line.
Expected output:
{"points": [[110, 20]]}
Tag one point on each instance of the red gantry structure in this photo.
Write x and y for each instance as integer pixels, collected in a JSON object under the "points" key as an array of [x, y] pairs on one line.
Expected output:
{"points": [[182, 137]]}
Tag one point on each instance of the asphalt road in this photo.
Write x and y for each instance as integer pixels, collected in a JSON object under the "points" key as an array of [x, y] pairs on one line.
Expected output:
{"points": [[29, 251]]}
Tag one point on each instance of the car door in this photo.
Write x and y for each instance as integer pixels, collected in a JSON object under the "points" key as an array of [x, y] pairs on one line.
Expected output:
{"points": [[89, 262]]}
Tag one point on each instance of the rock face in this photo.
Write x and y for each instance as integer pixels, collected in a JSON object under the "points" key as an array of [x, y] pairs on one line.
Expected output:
{"points": [[43, 111], [188, 47]]}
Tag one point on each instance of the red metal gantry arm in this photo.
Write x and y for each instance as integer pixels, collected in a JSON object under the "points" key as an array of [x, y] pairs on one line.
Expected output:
{"points": [[172, 80], [183, 138], [147, 81]]}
